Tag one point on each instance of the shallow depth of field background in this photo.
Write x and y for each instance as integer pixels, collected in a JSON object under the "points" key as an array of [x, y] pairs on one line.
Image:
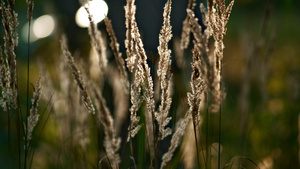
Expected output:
{"points": [[268, 129]]}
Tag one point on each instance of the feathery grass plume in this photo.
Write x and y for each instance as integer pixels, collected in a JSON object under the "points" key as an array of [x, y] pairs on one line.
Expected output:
{"points": [[2, 79], [135, 91], [118, 56], [195, 97], [111, 141], [136, 101], [200, 44], [186, 29], [33, 115], [180, 130], [164, 73], [227, 13], [142, 74], [48, 85], [4, 84], [29, 10], [14, 20], [96, 38], [147, 84], [9, 21], [129, 43], [197, 87], [77, 76], [217, 20]]}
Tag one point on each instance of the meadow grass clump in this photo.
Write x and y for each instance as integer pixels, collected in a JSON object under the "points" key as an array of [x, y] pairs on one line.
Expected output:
{"points": [[205, 78], [20, 124], [81, 103]]}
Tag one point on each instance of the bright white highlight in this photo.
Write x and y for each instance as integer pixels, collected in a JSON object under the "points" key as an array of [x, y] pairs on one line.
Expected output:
{"points": [[43, 26], [98, 9]]}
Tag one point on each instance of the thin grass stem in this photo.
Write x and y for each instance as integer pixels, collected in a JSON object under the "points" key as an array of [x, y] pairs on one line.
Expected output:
{"points": [[219, 151], [207, 136], [39, 136], [197, 147], [8, 134], [220, 125], [27, 96], [19, 139]]}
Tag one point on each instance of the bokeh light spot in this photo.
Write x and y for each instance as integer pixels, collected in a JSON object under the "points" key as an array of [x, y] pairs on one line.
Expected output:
{"points": [[43, 26], [98, 9]]}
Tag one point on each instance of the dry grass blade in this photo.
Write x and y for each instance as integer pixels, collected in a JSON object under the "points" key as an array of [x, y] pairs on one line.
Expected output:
{"points": [[4, 84], [135, 99], [111, 141], [180, 130], [9, 20], [14, 20], [164, 74], [143, 72], [228, 12], [129, 43], [201, 43], [147, 86], [194, 98], [78, 77], [118, 56], [135, 91], [197, 86], [240, 157], [33, 116], [96, 39], [186, 29], [29, 10]]}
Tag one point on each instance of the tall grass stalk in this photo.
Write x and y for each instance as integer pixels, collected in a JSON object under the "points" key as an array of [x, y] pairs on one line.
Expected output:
{"points": [[29, 16], [27, 93]]}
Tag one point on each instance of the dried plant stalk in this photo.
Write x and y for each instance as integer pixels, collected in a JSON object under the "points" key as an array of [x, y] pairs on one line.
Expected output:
{"points": [[197, 86], [136, 101], [33, 116], [194, 100], [180, 130], [129, 43], [96, 38], [135, 91], [111, 141], [29, 10], [142, 75], [217, 20], [186, 29], [147, 85], [9, 21], [78, 77], [118, 56], [6, 92], [164, 74]]}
